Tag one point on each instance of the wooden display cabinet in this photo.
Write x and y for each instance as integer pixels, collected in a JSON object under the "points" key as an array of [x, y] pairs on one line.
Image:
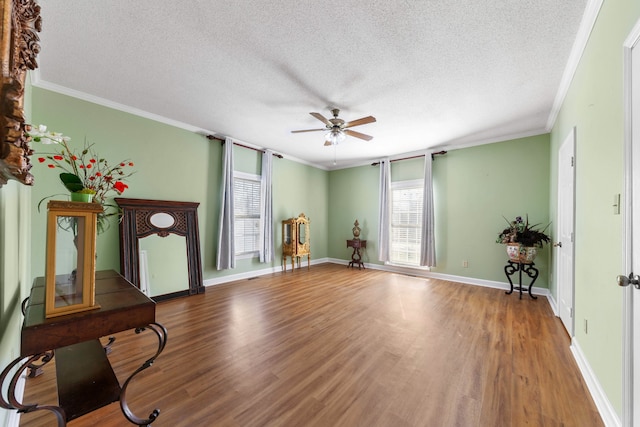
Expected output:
{"points": [[296, 241], [71, 257]]}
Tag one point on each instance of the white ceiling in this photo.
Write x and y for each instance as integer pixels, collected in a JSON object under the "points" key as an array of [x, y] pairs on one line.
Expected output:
{"points": [[433, 73]]}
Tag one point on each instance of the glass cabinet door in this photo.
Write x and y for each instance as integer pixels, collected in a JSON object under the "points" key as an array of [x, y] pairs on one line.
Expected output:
{"points": [[287, 233]]}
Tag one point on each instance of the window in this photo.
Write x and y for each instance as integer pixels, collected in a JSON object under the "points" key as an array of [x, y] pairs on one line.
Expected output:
{"points": [[246, 197], [406, 222]]}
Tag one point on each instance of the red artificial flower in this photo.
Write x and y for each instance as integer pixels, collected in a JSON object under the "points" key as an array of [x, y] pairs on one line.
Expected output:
{"points": [[81, 166], [56, 157], [120, 186], [130, 163], [92, 178], [74, 157], [92, 160], [122, 164], [51, 166], [98, 174], [42, 159], [89, 166]]}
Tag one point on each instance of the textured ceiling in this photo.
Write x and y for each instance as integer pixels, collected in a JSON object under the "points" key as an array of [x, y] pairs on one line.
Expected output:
{"points": [[433, 73]]}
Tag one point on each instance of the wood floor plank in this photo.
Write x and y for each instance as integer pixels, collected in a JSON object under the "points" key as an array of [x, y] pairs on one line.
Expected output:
{"points": [[331, 346]]}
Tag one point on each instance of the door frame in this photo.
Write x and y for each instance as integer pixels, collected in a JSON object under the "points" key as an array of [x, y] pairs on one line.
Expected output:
{"points": [[570, 138], [632, 41]]}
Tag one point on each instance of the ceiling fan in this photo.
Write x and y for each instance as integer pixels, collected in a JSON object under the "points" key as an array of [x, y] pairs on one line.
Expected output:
{"points": [[337, 129]]}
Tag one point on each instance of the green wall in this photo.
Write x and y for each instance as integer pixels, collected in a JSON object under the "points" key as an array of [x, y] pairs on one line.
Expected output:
{"points": [[354, 195], [297, 189], [594, 105], [473, 189], [170, 164], [14, 276]]}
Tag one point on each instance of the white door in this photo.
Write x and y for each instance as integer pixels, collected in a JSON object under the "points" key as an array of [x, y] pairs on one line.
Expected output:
{"points": [[564, 240], [631, 294]]}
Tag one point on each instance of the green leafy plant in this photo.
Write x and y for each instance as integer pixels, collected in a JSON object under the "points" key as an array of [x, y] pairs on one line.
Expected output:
{"points": [[83, 171], [523, 233]]}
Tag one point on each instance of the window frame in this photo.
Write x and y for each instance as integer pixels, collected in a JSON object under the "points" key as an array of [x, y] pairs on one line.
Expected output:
{"points": [[258, 180], [402, 185]]}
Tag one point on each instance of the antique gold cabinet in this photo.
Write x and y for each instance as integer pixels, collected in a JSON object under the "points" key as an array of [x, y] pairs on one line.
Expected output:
{"points": [[295, 240]]}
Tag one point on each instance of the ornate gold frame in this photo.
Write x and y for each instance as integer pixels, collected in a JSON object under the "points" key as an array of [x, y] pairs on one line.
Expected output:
{"points": [[18, 50]]}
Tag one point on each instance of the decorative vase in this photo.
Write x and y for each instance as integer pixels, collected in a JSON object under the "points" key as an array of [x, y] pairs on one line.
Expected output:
{"points": [[82, 197], [521, 254], [356, 230]]}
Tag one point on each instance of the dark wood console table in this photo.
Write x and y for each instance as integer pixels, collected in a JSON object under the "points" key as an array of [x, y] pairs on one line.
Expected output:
{"points": [[85, 378], [356, 257]]}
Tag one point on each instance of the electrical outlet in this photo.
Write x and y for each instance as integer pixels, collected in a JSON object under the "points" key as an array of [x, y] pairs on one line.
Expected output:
{"points": [[465, 264], [586, 326]]}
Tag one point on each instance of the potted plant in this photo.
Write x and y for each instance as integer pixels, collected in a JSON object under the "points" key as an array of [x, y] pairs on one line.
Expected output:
{"points": [[523, 239], [87, 176]]}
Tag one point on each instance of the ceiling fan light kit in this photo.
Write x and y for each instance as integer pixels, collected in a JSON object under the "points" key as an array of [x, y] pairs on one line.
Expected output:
{"points": [[334, 137], [337, 129]]}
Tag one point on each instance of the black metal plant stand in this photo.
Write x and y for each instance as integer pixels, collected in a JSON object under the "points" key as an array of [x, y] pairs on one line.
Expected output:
{"points": [[528, 268]]}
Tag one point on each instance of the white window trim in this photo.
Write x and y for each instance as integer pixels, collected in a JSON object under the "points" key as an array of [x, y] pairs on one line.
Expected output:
{"points": [[399, 185], [249, 177]]}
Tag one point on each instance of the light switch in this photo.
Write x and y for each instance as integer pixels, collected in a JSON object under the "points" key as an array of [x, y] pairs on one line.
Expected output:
{"points": [[616, 204]]}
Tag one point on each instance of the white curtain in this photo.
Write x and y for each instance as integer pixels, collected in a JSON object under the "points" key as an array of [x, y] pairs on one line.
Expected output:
{"points": [[384, 211], [226, 247], [266, 210], [427, 241]]}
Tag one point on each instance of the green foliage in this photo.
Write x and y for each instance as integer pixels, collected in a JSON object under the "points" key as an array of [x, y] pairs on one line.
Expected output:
{"points": [[523, 233], [71, 182]]}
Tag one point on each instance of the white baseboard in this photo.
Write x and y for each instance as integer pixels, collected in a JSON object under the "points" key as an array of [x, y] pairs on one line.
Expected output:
{"points": [[418, 272], [607, 412], [254, 273], [553, 304]]}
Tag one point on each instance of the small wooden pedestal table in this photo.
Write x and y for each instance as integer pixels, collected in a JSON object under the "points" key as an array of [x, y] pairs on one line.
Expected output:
{"points": [[85, 378], [528, 268], [356, 258]]}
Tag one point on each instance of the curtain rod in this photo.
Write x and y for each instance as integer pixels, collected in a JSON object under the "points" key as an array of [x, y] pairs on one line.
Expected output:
{"points": [[211, 137], [438, 153]]}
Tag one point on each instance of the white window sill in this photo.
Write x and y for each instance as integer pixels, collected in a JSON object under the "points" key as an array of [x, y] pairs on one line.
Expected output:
{"points": [[247, 255]]}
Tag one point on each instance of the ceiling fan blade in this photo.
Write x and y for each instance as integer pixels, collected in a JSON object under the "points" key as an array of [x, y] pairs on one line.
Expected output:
{"points": [[307, 130], [322, 118], [362, 121], [358, 134]]}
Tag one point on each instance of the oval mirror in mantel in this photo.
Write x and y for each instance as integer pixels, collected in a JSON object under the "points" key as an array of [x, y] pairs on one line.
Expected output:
{"points": [[160, 247], [162, 220]]}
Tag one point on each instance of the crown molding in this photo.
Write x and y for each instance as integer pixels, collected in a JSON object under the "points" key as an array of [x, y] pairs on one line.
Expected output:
{"points": [[36, 81], [579, 45], [449, 146]]}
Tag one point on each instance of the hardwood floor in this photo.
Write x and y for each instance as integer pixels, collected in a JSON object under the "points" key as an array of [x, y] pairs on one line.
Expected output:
{"points": [[331, 346]]}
